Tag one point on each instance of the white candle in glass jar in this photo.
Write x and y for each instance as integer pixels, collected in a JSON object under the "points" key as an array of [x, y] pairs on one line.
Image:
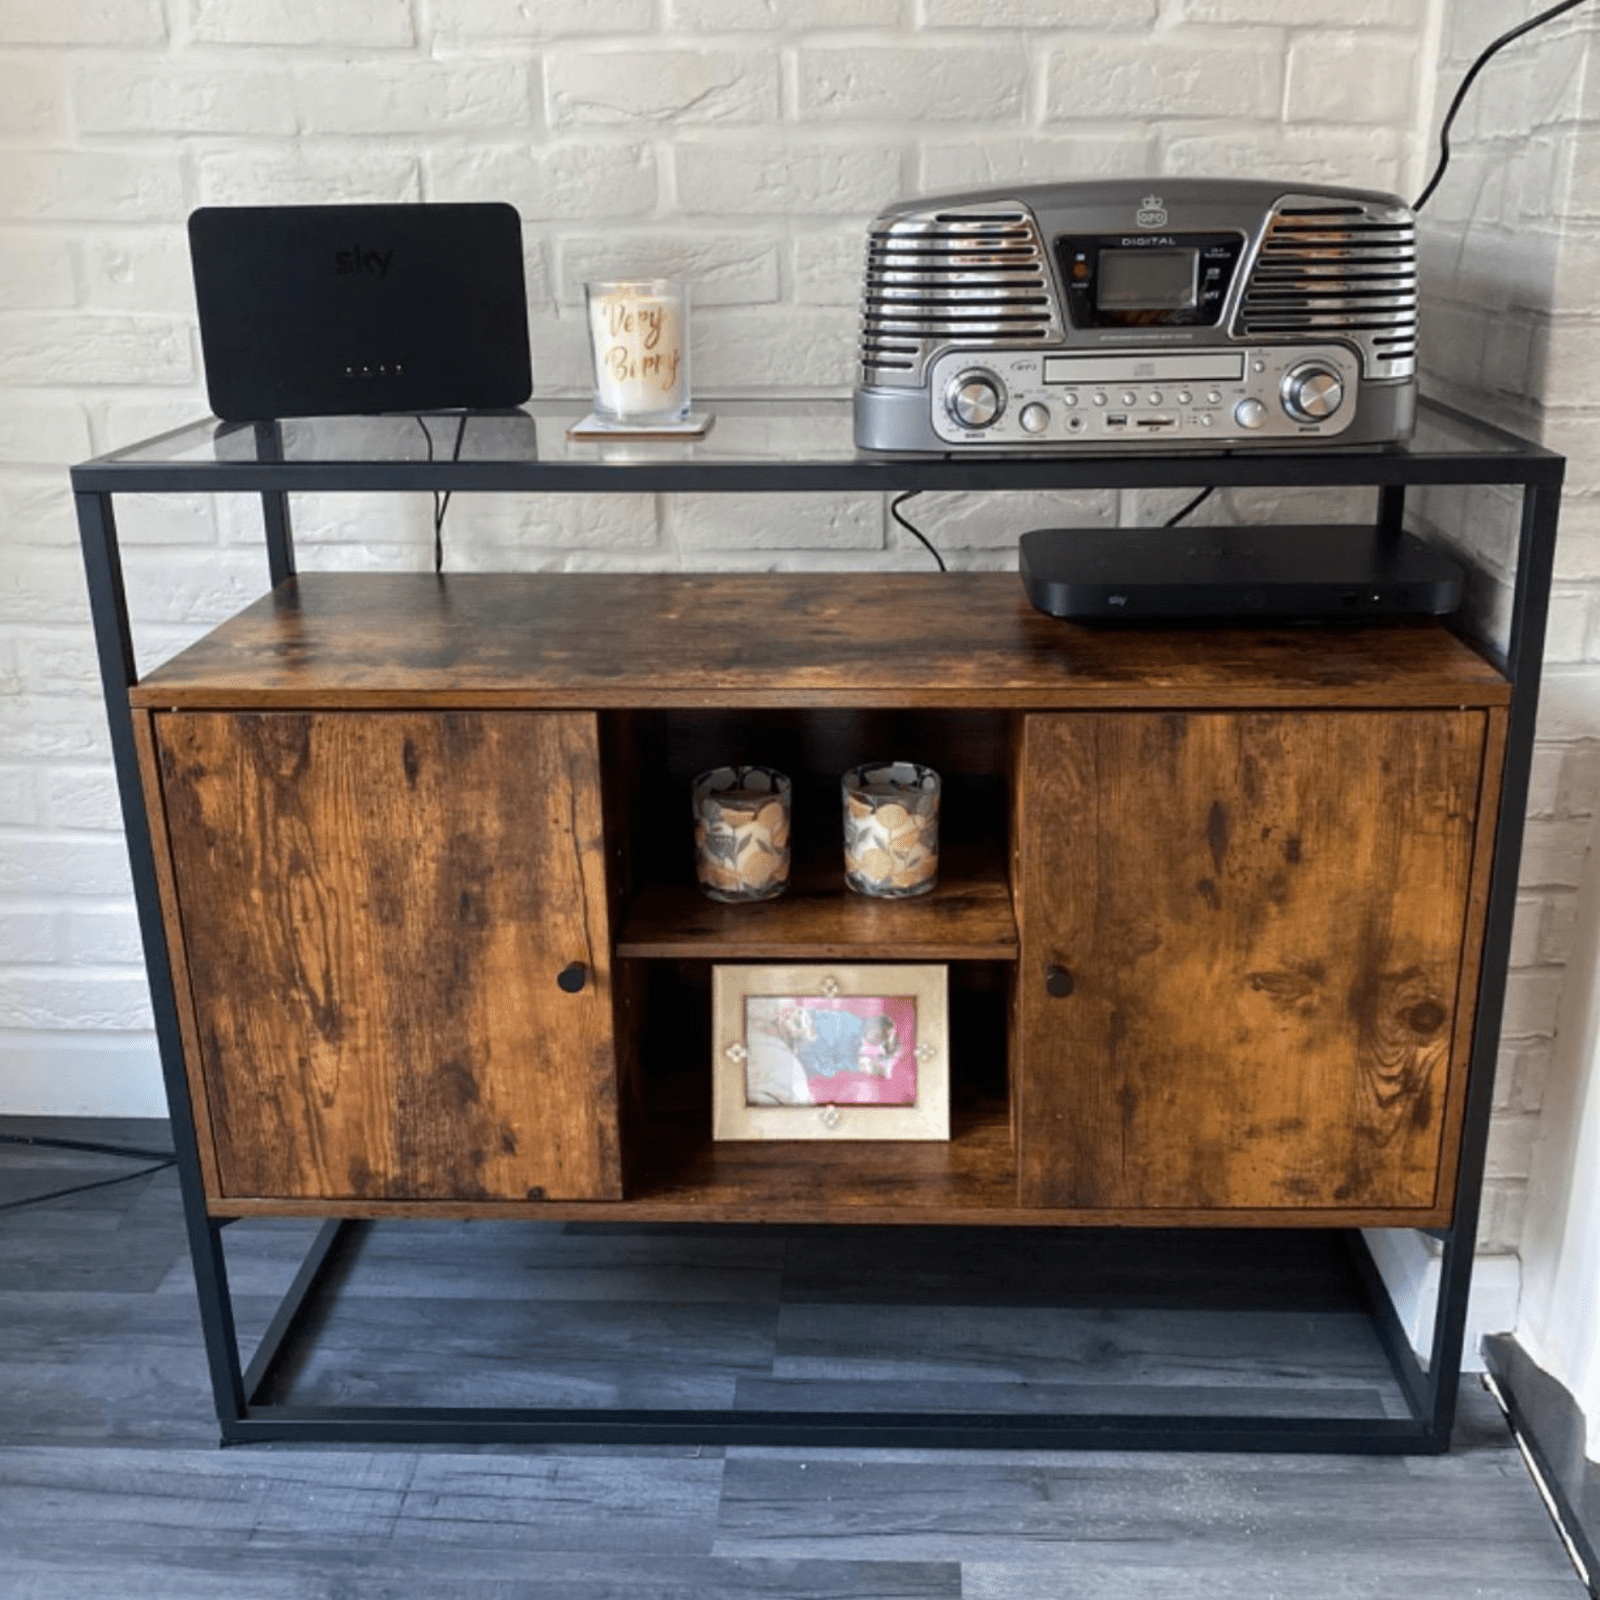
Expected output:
{"points": [[639, 337]]}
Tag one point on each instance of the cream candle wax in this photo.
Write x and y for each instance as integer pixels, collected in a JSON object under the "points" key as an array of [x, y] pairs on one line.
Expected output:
{"points": [[639, 338]]}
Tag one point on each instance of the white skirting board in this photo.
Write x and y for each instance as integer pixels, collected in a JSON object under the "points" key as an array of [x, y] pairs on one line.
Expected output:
{"points": [[1410, 1265], [80, 1075]]}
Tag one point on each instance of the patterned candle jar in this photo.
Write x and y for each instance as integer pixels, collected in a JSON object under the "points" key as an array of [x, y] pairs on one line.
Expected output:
{"points": [[891, 828], [741, 832]]}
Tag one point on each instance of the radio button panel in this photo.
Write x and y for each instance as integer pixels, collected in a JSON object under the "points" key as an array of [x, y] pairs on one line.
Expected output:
{"points": [[1029, 399]]}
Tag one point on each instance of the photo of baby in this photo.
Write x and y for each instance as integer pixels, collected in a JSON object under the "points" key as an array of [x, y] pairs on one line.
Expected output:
{"points": [[857, 1050]]}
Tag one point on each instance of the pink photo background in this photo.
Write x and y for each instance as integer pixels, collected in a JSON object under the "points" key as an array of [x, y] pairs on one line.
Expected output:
{"points": [[864, 1088]]}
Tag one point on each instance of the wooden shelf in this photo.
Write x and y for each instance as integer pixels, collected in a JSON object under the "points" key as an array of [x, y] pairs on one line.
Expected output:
{"points": [[967, 917], [972, 1173], [812, 640]]}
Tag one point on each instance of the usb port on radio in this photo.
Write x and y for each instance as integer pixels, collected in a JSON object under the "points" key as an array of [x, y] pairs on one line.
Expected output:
{"points": [[1116, 421]]}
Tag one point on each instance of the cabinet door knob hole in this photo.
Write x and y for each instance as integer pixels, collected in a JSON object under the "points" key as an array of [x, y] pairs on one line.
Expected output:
{"points": [[572, 977], [1058, 981]]}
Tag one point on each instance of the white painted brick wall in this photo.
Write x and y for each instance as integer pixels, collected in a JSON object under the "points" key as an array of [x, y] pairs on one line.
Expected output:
{"points": [[291, 175], [791, 178], [32, 102], [367, 24], [131, 97], [743, 144], [908, 82], [564, 183], [512, 22], [1199, 72], [86, 22], [662, 87], [1354, 77]]}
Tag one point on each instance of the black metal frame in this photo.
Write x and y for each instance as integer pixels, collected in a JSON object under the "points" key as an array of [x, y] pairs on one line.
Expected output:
{"points": [[245, 1409]]}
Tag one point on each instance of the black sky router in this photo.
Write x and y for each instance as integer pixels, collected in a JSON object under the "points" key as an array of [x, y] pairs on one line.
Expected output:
{"points": [[337, 310]]}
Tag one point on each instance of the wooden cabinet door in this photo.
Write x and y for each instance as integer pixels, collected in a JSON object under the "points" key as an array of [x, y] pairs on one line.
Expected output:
{"points": [[1265, 920], [374, 908]]}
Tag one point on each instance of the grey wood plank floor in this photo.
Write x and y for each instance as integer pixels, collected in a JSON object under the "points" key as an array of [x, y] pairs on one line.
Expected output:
{"points": [[112, 1485]]}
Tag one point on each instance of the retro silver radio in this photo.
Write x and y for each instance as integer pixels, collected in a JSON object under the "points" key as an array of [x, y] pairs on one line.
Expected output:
{"points": [[1164, 313]]}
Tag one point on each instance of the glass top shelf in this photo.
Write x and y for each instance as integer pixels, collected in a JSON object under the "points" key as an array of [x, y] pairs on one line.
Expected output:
{"points": [[775, 443]]}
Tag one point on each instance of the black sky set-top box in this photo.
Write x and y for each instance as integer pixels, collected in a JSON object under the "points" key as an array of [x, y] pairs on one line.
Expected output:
{"points": [[341, 310], [1300, 573]]}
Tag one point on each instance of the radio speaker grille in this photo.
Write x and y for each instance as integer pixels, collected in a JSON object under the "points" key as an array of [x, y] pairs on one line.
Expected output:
{"points": [[975, 274], [1337, 271]]}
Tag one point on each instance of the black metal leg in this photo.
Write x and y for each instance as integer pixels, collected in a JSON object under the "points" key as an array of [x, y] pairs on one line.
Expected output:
{"points": [[1391, 509], [1414, 1381], [114, 644], [258, 1378], [1524, 658], [275, 507], [280, 539]]}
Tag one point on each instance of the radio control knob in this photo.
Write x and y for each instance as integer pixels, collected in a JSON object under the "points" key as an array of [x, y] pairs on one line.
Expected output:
{"points": [[1184, 397], [1312, 392], [1250, 414], [1034, 417], [974, 399]]}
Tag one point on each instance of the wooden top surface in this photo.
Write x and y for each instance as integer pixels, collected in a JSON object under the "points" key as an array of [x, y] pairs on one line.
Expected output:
{"points": [[361, 640]]}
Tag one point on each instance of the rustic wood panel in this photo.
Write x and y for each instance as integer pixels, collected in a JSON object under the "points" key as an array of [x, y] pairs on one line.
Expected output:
{"points": [[144, 740], [1483, 852], [375, 909], [886, 641], [625, 759], [1264, 918]]}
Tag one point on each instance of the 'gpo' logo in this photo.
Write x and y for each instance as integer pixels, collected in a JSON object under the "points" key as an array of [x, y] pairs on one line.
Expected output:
{"points": [[1152, 213]]}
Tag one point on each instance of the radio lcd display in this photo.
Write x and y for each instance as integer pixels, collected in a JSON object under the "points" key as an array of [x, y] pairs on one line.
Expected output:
{"points": [[1180, 281], [1146, 280]]}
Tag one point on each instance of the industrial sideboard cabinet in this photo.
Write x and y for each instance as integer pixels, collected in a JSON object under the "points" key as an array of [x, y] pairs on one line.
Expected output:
{"points": [[1225, 911]]}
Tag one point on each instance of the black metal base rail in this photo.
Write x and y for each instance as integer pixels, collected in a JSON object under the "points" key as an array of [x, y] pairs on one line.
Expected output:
{"points": [[1481, 455], [263, 1419], [848, 1431]]}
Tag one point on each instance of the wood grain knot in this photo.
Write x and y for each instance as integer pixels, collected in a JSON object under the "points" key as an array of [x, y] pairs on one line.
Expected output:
{"points": [[1290, 987], [1425, 1018]]}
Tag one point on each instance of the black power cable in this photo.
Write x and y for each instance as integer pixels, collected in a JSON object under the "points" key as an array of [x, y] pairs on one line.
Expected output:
{"points": [[40, 1141], [1183, 511], [916, 533], [441, 504], [162, 1159], [1509, 37]]}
